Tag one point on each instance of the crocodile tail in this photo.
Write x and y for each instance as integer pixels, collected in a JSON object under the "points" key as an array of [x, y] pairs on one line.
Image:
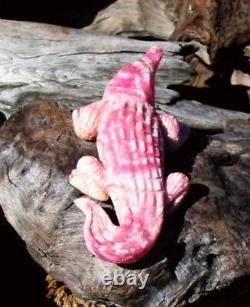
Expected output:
{"points": [[137, 78], [127, 243]]}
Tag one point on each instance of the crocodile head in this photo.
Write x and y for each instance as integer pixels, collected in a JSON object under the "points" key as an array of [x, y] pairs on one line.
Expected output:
{"points": [[137, 78]]}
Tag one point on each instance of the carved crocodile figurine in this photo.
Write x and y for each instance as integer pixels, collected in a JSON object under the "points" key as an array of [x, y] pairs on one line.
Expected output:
{"points": [[130, 141]]}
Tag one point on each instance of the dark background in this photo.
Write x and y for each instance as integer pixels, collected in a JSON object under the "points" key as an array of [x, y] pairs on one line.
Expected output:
{"points": [[75, 14]]}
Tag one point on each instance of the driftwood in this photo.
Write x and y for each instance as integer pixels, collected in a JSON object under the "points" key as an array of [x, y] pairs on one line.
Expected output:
{"points": [[218, 23], [200, 116], [72, 67], [137, 18], [204, 247], [221, 25]]}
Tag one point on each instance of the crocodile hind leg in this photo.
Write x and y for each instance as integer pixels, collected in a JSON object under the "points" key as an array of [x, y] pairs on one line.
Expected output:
{"points": [[88, 177], [176, 187], [175, 133], [86, 120]]}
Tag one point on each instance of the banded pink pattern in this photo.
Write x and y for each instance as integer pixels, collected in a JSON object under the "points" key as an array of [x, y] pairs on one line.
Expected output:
{"points": [[129, 135]]}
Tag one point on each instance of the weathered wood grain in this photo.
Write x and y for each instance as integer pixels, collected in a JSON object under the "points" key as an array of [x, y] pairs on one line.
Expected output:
{"points": [[137, 18], [39, 61], [217, 23], [201, 116]]}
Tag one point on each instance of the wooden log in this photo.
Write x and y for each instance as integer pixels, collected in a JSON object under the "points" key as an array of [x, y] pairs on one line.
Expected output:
{"points": [[71, 66], [201, 116], [217, 23], [203, 247], [137, 18]]}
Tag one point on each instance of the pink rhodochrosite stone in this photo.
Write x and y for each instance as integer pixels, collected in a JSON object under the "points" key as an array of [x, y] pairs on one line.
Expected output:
{"points": [[130, 141]]}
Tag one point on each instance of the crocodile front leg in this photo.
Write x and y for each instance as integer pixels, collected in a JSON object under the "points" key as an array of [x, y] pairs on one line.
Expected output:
{"points": [[175, 133], [88, 175], [86, 120]]}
